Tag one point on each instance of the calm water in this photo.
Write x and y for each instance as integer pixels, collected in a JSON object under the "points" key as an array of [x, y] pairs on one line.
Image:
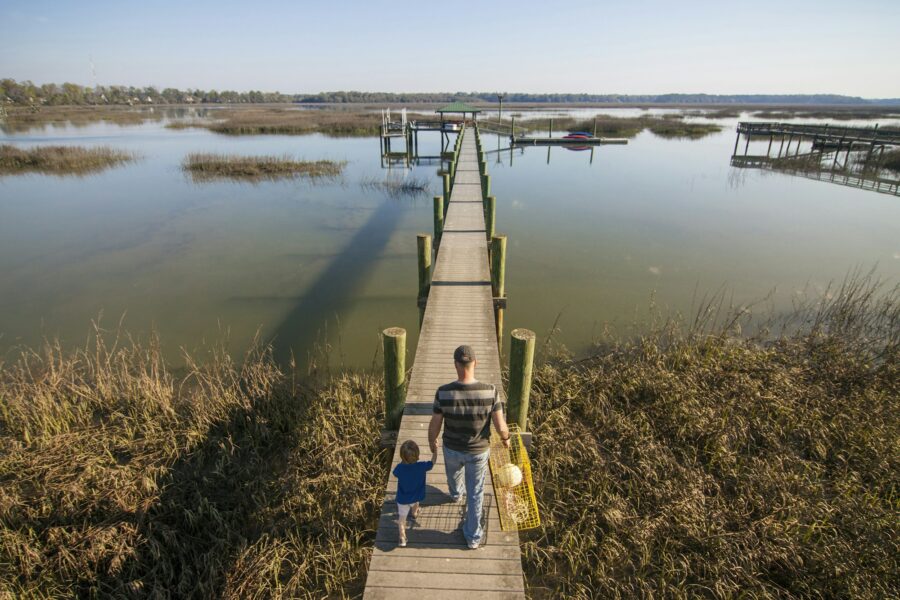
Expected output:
{"points": [[657, 221]]}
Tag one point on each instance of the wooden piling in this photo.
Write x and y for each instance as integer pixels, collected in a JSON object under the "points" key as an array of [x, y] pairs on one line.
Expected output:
{"points": [[595, 128], [438, 220], [521, 365], [485, 186], [446, 182], [498, 279], [490, 213], [423, 244], [550, 132], [394, 346]]}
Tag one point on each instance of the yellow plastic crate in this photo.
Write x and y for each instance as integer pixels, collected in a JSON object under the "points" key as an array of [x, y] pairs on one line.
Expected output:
{"points": [[515, 501]]}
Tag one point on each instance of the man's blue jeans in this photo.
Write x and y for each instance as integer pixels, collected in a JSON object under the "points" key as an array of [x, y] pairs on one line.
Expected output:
{"points": [[475, 467]]}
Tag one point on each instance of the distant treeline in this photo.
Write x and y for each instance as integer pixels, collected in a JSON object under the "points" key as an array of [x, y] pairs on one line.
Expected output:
{"points": [[51, 94], [28, 93]]}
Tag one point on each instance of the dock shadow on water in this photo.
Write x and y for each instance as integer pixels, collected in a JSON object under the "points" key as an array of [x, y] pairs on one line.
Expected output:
{"points": [[334, 290]]}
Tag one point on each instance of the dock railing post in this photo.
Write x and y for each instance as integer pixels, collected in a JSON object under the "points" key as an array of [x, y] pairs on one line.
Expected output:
{"points": [[490, 213], [438, 220], [498, 279], [394, 346], [446, 181], [521, 366], [423, 244]]}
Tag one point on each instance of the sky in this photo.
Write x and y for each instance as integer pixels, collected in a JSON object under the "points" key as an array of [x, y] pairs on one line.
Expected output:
{"points": [[621, 47]]}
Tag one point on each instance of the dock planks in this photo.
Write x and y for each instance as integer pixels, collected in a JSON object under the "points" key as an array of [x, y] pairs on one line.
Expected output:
{"points": [[436, 559]]}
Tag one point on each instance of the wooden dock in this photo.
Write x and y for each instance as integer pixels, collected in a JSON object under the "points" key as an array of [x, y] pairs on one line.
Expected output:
{"points": [[436, 563]]}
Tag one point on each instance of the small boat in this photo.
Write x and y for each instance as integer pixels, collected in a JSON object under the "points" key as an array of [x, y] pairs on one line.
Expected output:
{"points": [[578, 135]]}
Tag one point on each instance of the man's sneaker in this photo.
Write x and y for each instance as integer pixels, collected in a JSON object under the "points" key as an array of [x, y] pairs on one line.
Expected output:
{"points": [[473, 545], [457, 499], [402, 543]]}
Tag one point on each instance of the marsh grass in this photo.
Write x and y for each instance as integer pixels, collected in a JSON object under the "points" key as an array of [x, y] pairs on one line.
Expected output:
{"points": [[836, 113], [120, 477], [691, 463], [21, 120], [291, 121], [60, 160], [891, 160], [211, 167], [670, 129], [666, 126], [397, 187]]}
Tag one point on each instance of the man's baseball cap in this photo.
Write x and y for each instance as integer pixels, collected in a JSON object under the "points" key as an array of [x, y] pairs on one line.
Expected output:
{"points": [[464, 354]]}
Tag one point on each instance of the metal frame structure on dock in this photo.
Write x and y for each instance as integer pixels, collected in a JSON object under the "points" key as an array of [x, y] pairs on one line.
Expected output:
{"points": [[459, 308]]}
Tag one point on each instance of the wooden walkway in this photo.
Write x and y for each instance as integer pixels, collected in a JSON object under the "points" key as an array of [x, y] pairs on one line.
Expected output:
{"points": [[436, 562]]}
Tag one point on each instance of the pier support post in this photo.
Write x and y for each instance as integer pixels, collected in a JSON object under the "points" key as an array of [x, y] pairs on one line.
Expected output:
{"points": [[521, 365], [485, 186], [498, 279], [446, 181], [423, 244], [512, 129], [438, 220], [550, 129], [595, 128], [490, 213], [394, 345]]}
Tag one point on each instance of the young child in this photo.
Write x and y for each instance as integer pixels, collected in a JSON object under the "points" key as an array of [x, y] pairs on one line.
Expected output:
{"points": [[410, 474]]}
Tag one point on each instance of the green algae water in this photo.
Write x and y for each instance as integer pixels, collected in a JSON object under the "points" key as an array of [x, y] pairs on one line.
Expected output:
{"points": [[320, 268]]}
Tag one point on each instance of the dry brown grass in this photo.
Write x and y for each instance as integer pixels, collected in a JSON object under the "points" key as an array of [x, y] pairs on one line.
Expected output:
{"points": [[122, 478], [692, 464], [891, 160], [211, 167], [293, 121], [21, 120], [60, 160]]}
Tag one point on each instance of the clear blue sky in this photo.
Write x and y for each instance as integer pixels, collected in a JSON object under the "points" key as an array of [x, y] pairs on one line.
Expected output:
{"points": [[636, 47]]}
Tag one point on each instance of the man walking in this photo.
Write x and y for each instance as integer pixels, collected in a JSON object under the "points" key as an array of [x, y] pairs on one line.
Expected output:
{"points": [[465, 409]]}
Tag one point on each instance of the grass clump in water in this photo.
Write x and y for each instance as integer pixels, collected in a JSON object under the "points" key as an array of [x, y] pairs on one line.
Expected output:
{"points": [[60, 160], [406, 187], [670, 129], [691, 464], [122, 478], [210, 167], [292, 121]]}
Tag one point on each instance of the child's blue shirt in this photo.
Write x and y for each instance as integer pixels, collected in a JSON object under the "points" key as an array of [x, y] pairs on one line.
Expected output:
{"points": [[411, 481]]}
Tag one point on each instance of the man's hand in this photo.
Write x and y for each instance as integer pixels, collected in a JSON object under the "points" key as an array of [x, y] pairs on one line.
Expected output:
{"points": [[506, 443], [434, 428]]}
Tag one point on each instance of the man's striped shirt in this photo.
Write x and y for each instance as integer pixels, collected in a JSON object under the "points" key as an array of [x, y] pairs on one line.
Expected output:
{"points": [[467, 409]]}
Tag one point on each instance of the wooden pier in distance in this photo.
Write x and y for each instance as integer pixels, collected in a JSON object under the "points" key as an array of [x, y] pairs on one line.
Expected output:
{"points": [[436, 563], [820, 152]]}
